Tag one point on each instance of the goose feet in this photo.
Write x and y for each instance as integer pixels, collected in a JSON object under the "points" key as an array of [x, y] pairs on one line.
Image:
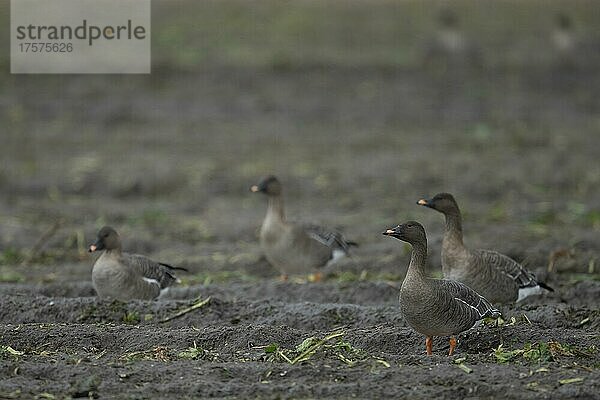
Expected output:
{"points": [[429, 345], [316, 277], [452, 345]]}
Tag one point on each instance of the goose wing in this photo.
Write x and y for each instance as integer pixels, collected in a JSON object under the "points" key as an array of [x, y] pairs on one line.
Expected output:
{"points": [[152, 270], [471, 303], [507, 266], [332, 239]]}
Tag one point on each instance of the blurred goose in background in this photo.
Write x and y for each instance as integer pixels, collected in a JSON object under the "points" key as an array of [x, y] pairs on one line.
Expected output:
{"points": [[573, 49], [435, 307], [564, 41], [497, 277], [450, 47], [563, 35], [292, 248], [126, 276]]}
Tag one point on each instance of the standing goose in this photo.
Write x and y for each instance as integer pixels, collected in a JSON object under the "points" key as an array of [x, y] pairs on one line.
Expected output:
{"points": [[435, 307], [126, 276], [295, 248], [497, 277]]}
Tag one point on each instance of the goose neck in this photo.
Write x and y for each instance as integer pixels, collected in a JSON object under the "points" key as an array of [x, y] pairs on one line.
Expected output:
{"points": [[453, 229], [275, 208], [418, 258]]}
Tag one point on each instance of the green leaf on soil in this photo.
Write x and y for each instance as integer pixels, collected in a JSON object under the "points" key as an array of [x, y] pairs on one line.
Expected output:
{"points": [[570, 380], [272, 348], [9, 350], [532, 386], [158, 353], [11, 256], [382, 362], [45, 395], [504, 356], [538, 352], [459, 362], [306, 344], [191, 353], [198, 303], [331, 345], [131, 318], [464, 368]]}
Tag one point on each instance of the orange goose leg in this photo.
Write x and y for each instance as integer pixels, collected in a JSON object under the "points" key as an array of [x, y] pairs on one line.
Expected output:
{"points": [[316, 277], [452, 345], [429, 345]]}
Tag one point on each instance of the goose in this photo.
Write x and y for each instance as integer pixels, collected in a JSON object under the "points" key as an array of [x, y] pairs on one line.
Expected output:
{"points": [[497, 277], [124, 276], [451, 47], [294, 248], [435, 307]]}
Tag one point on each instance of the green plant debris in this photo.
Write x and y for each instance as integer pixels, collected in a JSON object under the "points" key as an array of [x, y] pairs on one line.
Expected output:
{"points": [[272, 348], [191, 353], [198, 303], [460, 363], [332, 346], [9, 351], [100, 355], [11, 256], [582, 277], [9, 276], [196, 353], [131, 318], [532, 386], [570, 380], [510, 322], [539, 352], [15, 394], [382, 362], [159, 353], [45, 395], [309, 347]]}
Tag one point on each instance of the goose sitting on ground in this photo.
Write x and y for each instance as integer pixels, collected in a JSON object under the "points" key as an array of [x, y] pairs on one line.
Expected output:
{"points": [[295, 248], [497, 277], [126, 276], [435, 307]]}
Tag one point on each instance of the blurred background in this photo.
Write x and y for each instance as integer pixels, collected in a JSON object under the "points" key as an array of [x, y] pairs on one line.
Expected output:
{"points": [[360, 107]]}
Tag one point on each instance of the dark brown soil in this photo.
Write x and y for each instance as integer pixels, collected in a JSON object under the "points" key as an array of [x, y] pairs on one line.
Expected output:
{"points": [[80, 345]]}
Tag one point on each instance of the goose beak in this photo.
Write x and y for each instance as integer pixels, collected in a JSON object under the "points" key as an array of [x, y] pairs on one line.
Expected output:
{"points": [[424, 202], [254, 189], [388, 232], [96, 246]]}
